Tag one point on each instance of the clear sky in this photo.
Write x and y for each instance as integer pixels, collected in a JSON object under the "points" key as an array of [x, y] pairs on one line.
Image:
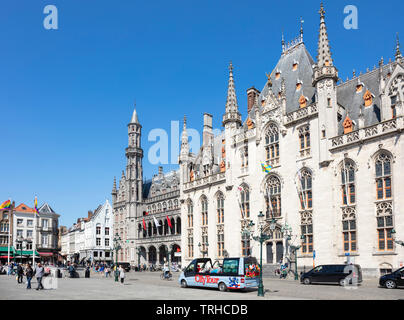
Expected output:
{"points": [[67, 95]]}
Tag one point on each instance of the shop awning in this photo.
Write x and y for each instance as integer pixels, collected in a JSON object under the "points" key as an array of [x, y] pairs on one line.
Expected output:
{"points": [[5, 250], [26, 253], [46, 254]]}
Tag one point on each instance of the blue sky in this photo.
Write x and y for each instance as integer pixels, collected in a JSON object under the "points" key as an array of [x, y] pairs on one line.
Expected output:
{"points": [[67, 95]]}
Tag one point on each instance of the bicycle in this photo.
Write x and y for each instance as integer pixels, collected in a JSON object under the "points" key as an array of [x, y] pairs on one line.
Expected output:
{"points": [[169, 276]]}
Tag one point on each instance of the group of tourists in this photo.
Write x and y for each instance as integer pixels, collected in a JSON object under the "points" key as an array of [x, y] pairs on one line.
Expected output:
{"points": [[21, 270]]}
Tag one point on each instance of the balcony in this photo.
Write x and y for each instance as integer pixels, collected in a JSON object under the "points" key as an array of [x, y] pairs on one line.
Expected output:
{"points": [[301, 114], [361, 135], [244, 136], [205, 181]]}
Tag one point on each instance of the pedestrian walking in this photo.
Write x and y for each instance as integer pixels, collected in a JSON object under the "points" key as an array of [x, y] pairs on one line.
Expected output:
{"points": [[29, 273], [20, 273], [121, 274], [107, 271], [87, 273], [39, 272]]}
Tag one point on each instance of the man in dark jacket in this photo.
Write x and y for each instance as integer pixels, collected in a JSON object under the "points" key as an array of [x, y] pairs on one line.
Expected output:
{"points": [[20, 273], [29, 273], [39, 272]]}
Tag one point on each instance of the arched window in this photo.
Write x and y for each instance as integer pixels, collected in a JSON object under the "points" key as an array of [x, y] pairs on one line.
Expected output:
{"points": [[154, 208], [170, 205], [245, 202], [383, 177], [220, 208], [164, 206], [304, 139], [149, 229], [272, 144], [204, 211], [384, 206], [178, 231], [273, 197], [158, 207], [306, 194], [190, 211], [348, 183]]}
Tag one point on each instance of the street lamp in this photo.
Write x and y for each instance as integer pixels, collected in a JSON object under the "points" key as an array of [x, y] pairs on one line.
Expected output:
{"points": [[393, 235], [117, 247], [261, 238], [138, 251], [21, 241], [203, 251]]}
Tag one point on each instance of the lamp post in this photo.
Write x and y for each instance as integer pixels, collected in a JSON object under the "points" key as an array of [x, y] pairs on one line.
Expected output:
{"points": [[287, 230], [117, 247], [261, 238], [21, 241], [203, 251], [393, 235]]}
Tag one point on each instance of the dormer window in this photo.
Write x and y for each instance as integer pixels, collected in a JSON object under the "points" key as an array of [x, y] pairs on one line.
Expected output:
{"points": [[298, 85], [277, 74], [295, 65], [348, 125], [359, 87], [368, 98], [327, 63], [302, 101]]}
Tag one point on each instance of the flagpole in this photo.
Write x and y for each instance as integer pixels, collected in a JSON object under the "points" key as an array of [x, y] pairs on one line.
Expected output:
{"points": [[9, 235], [346, 183]]}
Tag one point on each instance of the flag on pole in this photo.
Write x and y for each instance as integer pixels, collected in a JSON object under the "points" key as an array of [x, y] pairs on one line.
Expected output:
{"points": [[301, 189], [169, 222], [146, 213], [144, 224], [269, 202], [266, 167], [36, 205], [5, 205], [156, 222]]}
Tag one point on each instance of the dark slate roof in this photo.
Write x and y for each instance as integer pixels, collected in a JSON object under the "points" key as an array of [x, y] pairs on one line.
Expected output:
{"points": [[161, 182], [46, 208], [352, 101], [303, 73]]}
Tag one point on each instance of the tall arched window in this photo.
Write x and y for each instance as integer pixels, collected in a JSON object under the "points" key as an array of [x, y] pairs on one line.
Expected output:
{"points": [[348, 183], [383, 176], [306, 194], [272, 144], [245, 202], [349, 233], [384, 206], [204, 211], [190, 209], [304, 139], [220, 208], [273, 197]]}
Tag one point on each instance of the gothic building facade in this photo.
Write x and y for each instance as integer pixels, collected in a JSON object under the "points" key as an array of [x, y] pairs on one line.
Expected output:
{"points": [[146, 213], [333, 157]]}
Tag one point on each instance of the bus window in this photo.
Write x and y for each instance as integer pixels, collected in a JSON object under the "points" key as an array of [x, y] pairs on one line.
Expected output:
{"points": [[190, 268], [199, 266], [230, 266]]}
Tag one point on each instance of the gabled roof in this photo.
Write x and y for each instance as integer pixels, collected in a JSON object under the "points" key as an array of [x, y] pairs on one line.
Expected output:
{"points": [[24, 208], [45, 208], [303, 73]]}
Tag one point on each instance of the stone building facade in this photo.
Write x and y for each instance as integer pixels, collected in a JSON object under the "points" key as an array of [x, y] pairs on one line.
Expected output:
{"points": [[333, 153], [143, 211]]}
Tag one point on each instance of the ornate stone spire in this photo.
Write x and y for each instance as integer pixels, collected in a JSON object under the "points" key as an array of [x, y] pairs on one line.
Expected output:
{"points": [[184, 139], [232, 114], [114, 187], [325, 68], [323, 53], [231, 103], [398, 55], [301, 29]]}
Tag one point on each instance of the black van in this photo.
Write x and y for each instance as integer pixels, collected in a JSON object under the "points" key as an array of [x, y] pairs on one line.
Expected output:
{"points": [[333, 273]]}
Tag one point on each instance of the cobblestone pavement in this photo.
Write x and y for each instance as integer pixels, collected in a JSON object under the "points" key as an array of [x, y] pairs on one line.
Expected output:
{"points": [[148, 285]]}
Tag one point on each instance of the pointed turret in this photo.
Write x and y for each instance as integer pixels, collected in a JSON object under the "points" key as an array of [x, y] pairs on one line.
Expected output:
{"points": [[325, 66], [134, 117], [114, 192], [184, 141], [232, 115], [398, 55]]}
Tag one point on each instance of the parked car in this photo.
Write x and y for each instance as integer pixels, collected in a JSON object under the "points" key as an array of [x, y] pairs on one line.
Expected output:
{"points": [[393, 280], [333, 273]]}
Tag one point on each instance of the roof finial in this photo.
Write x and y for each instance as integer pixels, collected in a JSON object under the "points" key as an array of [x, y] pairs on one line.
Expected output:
{"points": [[398, 52], [301, 29], [323, 51], [185, 122], [269, 81], [322, 11], [283, 43]]}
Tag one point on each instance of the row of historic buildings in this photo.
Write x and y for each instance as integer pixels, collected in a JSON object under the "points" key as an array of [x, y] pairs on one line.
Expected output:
{"points": [[335, 151], [23, 229], [90, 239]]}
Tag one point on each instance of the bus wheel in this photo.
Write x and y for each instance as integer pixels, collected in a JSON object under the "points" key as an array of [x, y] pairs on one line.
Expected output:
{"points": [[183, 284], [222, 286]]}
